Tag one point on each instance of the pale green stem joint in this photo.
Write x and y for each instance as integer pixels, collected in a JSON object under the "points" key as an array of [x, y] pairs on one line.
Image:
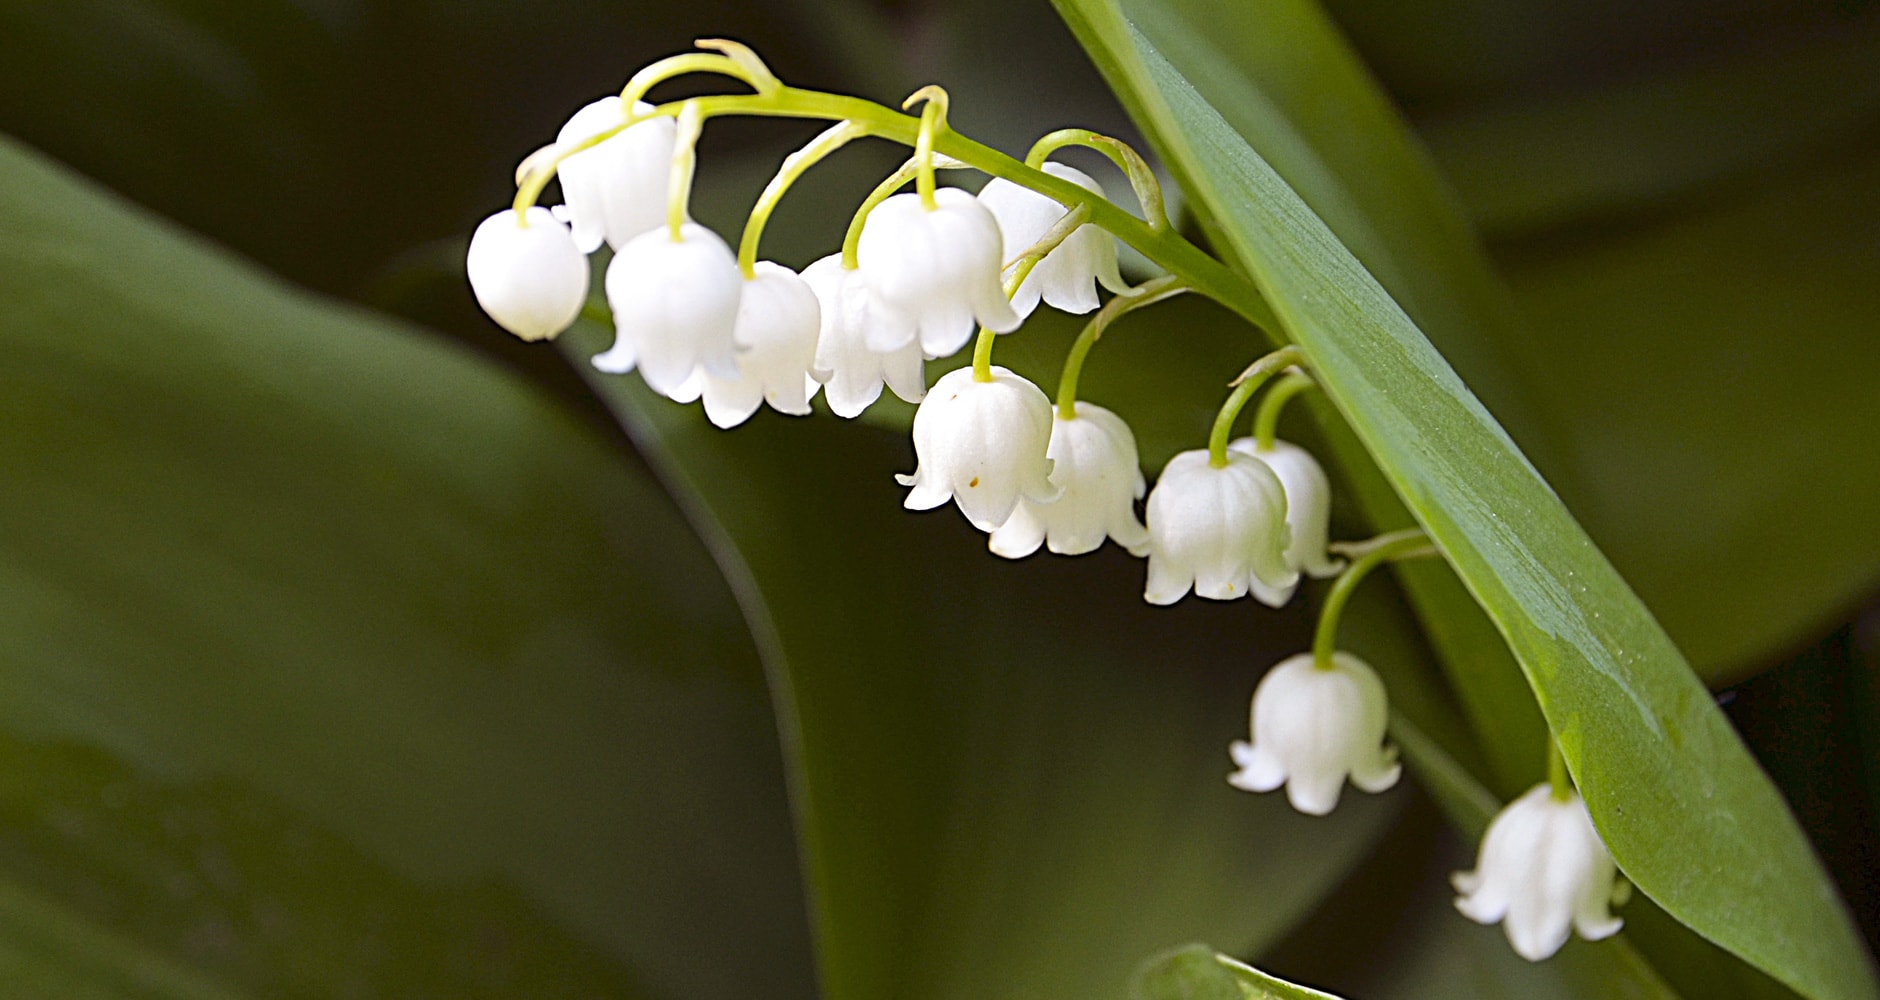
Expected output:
{"points": [[794, 166], [1557, 777], [684, 165], [1148, 293], [1245, 386], [1266, 419], [1142, 180], [933, 122], [1410, 543]]}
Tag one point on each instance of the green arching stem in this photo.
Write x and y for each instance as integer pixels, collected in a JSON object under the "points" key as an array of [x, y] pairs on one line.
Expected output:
{"points": [[831, 139], [1166, 248], [982, 348], [1245, 386], [852, 240], [684, 164], [1266, 418], [1148, 293], [933, 121], [1411, 543], [1141, 178], [1557, 776]]}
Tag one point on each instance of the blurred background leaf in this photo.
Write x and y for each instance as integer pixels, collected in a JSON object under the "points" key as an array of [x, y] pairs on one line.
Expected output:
{"points": [[340, 663], [1702, 163]]}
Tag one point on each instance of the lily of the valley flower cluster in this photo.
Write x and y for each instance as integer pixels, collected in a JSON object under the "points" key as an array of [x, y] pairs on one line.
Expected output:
{"points": [[921, 272]]}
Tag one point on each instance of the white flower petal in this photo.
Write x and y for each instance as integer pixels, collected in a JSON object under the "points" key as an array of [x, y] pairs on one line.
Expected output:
{"points": [[983, 444], [854, 370], [933, 272], [675, 306], [1220, 530], [1542, 872], [777, 323], [615, 190], [1319, 727], [1067, 276], [1308, 504]]}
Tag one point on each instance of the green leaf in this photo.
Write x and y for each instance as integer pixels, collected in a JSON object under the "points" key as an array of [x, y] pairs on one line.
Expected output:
{"points": [[1008, 776], [1660, 767], [1196, 972], [334, 661]]}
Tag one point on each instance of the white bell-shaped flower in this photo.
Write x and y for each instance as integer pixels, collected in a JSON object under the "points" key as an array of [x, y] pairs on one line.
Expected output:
{"points": [[982, 445], [1311, 728], [615, 190], [1093, 461], [1308, 504], [1220, 531], [1067, 277], [853, 372], [675, 305], [530, 279], [776, 339], [933, 272], [1542, 872]]}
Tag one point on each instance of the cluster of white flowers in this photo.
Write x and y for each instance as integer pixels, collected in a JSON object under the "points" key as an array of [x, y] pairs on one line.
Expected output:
{"points": [[920, 275]]}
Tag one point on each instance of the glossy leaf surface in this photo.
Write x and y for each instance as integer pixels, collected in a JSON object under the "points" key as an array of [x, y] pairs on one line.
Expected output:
{"points": [[1660, 767]]}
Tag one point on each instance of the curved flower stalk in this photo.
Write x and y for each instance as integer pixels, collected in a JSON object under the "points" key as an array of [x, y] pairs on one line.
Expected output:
{"points": [[775, 334], [981, 445], [1067, 276], [1311, 727], [852, 371], [675, 305], [616, 189], [1094, 464], [934, 272], [527, 273], [1219, 531], [1543, 873]]}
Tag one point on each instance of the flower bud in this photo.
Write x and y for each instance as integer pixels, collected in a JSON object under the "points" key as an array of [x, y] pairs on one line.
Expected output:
{"points": [[1093, 461], [675, 305], [1067, 277], [1310, 728], [933, 271], [982, 445], [531, 280], [1220, 531], [853, 372]]}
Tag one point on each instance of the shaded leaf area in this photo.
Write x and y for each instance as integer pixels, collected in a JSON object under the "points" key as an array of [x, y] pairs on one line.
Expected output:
{"points": [[338, 663], [1720, 370], [1009, 776], [1660, 767], [1670, 134]]}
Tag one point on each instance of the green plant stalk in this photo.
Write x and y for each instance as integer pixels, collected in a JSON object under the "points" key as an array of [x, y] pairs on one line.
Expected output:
{"points": [[1166, 248], [1245, 386], [1408, 544], [1148, 293], [794, 166], [1266, 419]]}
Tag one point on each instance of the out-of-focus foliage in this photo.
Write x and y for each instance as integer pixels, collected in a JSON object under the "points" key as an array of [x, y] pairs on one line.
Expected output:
{"points": [[339, 664]]}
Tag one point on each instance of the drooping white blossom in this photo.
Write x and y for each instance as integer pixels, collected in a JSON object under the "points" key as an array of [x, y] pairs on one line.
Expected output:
{"points": [[1093, 461], [1067, 277], [615, 190], [530, 279], [675, 305], [935, 273], [775, 336], [981, 445], [1308, 503], [853, 372], [1542, 873], [1220, 531], [1310, 728]]}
